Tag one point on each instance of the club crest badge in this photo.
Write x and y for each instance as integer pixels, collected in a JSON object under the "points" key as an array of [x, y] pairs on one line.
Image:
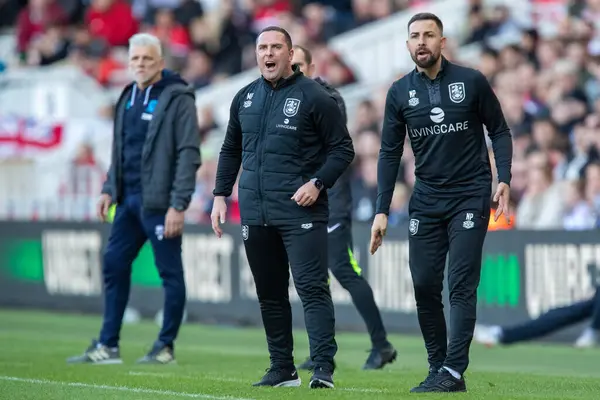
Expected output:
{"points": [[413, 226], [159, 231], [291, 106], [457, 91]]}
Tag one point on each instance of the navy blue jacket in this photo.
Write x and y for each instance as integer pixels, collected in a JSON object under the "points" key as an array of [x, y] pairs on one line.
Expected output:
{"points": [[156, 144]]}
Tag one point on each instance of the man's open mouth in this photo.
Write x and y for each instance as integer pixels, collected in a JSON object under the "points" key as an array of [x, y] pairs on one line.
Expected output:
{"points": [[423, 52], [270, 65]]}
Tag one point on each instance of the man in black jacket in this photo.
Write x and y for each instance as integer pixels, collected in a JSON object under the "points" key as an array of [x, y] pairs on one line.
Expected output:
{"points": [[443, 107], [342, 263], [290, 138], [152, 176]]}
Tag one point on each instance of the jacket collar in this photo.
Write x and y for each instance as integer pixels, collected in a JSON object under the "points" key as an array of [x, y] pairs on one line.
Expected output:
{"points": [[283, 82], [443, 69]]}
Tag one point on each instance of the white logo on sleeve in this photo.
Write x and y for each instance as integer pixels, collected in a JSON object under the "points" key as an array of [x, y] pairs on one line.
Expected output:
{"points": [[245, 232], [248, 101]]}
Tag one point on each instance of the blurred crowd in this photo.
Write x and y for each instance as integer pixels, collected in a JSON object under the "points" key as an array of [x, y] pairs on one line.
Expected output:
{"points": [[204, 40], [549, 89], [548, 86]]}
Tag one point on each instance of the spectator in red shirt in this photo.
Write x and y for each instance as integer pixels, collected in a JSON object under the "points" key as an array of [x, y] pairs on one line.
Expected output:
{"points": [[266, 12], [35, 19], [111, 20], [170, 32]]}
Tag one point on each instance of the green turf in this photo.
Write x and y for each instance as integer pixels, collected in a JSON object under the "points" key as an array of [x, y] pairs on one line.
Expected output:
{"points": [[219, 363]]}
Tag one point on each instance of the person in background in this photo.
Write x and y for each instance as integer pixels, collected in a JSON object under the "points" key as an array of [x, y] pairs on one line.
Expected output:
{"points": [[151, 179], [341, 262]]}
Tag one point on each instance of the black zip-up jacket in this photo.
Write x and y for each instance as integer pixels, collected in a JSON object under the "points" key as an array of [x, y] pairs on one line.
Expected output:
{"points": [[282, 136], [340, 195], [444, 119], [170, 154]]}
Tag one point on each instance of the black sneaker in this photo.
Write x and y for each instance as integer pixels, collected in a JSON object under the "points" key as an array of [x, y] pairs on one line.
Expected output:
{"points": [[322, 378], [445, 382], [280, 378], [99, 354], [160, 354], [380, 357], [430, 378], [308, 365]]}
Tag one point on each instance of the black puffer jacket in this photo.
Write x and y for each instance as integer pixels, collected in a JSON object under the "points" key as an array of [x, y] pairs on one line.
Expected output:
{"points": [[282, 137]]}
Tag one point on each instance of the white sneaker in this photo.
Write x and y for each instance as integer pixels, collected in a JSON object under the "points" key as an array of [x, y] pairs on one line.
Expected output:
{"points": [[587, 339], [487, 335]]}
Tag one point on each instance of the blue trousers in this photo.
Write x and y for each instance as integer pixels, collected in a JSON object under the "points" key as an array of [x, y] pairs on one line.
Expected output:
{"points": [[554, 320], [130, 230]]}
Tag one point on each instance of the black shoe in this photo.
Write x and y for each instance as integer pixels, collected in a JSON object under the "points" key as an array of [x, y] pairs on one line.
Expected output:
{"points": [[379, 357], [322, 378], [445, 382], [280, 378], [159, 354], [308, 365], [430, 378]]}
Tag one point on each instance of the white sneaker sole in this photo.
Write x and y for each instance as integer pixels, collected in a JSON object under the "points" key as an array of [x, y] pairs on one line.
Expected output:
{"points": [[294, 383], [111, 361], [320, 384]]}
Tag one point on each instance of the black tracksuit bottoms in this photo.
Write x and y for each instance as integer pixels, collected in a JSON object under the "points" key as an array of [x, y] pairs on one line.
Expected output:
{"points": [[271, 252], [348, 273], [455, 227]]}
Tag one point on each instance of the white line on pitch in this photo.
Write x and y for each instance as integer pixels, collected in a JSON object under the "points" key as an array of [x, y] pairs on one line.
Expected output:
{"points": [[237, 380], [119, 388]]}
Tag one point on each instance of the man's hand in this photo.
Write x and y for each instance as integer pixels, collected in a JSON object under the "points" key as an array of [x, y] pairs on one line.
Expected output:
{"points": [[103, 206], [218, 214], [378, 231], [502, 197], [306, 195], [174, 223]]}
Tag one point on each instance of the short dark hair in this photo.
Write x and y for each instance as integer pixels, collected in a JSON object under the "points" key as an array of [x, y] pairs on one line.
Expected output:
{"points": [[427, 17], [307, 53], [288, 38]]}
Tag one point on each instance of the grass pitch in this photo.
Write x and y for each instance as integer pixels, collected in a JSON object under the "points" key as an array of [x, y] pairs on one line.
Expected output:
{"points": [[220, 363]]}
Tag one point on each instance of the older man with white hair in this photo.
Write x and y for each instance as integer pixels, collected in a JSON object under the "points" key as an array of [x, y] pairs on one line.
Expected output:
{"points": [[151, 179]]}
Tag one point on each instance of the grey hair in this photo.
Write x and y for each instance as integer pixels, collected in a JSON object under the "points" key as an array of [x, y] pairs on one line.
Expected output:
{"points": [[145, 39]]}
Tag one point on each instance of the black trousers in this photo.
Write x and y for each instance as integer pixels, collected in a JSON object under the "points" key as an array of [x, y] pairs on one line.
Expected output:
{"points": [[348, 273], [454, 227], [271, 251], [554, 320]]}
